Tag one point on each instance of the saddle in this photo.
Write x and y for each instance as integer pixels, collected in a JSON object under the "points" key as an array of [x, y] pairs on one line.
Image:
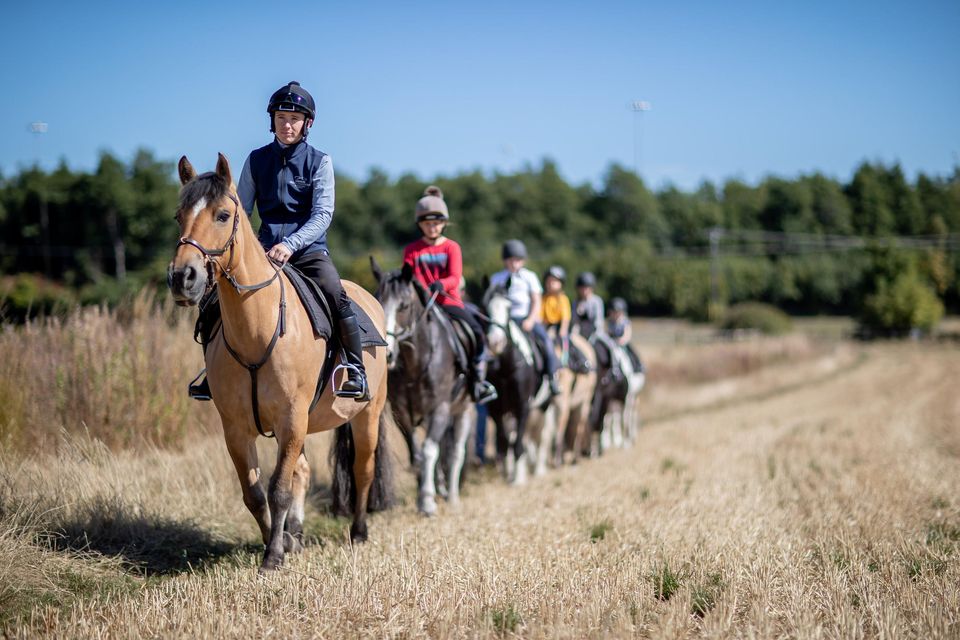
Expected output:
{"points": [[314, 302]]}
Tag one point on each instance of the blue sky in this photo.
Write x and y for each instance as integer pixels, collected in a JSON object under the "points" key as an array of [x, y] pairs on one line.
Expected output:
{"points": [[737, 89]]}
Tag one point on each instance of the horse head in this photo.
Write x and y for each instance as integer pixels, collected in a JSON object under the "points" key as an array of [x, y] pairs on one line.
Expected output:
{"points": [[209, 216], [403, 300], [497, 304]]}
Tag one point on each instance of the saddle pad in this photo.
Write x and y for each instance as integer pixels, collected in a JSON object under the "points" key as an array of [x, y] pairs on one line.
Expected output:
{"points": [[319, 311]]}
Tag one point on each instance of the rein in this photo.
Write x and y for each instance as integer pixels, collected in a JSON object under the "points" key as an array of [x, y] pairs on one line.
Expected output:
{"points": [[209, 261]]}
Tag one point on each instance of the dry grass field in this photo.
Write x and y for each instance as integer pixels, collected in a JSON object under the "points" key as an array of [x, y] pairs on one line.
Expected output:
{"points": [[779, 488]]}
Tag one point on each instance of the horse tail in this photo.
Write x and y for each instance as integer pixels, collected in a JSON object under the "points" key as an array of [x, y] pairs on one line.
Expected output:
{"points": [[382, 495], [344, 488]]}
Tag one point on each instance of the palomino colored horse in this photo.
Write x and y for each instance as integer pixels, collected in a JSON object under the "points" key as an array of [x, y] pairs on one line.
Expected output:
{"points": [[265, 323], [574, 403], [425, 385]]}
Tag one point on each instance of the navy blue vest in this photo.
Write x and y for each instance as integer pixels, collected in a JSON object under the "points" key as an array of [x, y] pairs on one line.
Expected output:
{"points": [[284, 183]]}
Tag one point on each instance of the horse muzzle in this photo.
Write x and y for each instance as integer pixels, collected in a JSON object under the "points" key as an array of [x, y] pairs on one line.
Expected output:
{"points": [[187, 282]]}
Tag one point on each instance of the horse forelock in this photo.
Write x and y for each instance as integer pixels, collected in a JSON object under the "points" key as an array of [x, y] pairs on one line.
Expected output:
{"points": [[207, 186]]}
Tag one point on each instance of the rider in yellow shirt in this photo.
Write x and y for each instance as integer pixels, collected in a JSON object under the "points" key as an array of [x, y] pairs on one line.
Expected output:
{"points": [[555, 312]]}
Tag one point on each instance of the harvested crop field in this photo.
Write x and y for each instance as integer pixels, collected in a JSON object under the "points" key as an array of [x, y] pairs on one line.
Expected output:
{"points": [[778, 488]]}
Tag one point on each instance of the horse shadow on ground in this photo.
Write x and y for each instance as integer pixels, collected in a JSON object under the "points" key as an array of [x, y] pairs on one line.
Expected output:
{"points": [[150, 544]]}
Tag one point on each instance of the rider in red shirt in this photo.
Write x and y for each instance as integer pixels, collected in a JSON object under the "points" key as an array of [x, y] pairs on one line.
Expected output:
{"points": [[437, 263]]}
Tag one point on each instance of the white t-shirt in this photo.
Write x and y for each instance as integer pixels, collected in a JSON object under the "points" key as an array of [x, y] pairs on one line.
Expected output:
{"points": [[523, 283]]}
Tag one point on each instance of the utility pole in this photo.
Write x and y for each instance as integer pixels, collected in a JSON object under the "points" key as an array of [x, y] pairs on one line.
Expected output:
{"points": [[714, 235], [639, 107]]}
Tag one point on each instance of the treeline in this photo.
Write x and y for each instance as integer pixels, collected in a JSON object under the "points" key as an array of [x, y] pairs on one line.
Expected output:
{"points": [[808, 245]]}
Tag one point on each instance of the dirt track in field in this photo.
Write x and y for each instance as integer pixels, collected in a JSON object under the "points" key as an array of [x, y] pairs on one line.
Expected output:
{"points": [[814, 496]]}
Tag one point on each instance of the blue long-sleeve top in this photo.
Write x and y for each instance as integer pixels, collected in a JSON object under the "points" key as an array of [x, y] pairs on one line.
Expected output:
{"points": [[293, 189]]}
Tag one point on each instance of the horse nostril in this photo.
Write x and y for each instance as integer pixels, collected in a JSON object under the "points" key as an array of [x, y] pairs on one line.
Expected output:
{"points": [[189, 275]]}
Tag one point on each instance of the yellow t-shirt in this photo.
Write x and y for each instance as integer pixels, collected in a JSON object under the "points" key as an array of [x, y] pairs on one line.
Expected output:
{"points": [[555, 308]]}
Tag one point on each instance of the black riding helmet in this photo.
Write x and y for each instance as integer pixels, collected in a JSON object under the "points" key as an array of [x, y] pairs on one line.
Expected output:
{"points": [[514, 249], [556, 271], [292, 97], [586, 279]]}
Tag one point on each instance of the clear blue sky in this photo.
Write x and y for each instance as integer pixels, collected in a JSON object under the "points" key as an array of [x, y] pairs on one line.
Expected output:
{"points": [[737, 89]]}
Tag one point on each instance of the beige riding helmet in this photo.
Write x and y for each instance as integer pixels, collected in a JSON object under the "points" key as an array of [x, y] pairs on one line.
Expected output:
{"points": [[431, 206]]}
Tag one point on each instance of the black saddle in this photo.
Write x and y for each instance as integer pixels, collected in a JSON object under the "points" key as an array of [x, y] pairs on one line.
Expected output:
{"points": [[314, 302]]}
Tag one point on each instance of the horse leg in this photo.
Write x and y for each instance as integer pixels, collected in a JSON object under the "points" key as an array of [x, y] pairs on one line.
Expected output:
{"points": [[293, 528], [547, 439], [243, 452], [461, 433], [438, 423], [289, 451], [519, 449]]}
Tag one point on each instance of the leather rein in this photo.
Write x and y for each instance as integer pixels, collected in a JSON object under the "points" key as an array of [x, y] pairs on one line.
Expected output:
{"points": [[212, 264]]}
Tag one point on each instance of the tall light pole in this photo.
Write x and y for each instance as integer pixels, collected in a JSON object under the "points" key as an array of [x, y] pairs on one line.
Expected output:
{"points": [[38, 129], [638, 107]]}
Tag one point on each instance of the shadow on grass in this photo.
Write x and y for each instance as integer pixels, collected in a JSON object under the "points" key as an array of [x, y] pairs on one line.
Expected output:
{"points": [[147, 543]]}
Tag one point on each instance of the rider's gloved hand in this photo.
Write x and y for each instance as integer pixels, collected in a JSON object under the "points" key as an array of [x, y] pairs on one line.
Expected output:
{"points": [[436, 287]]}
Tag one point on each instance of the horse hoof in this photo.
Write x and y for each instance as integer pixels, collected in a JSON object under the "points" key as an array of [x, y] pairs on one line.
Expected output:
{"points": [[358, 533], [270, 564], [428, 507], [291, 543]]}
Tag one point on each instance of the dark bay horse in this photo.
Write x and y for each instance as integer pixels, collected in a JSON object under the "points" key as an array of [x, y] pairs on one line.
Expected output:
{"points": [[613, 414], [265, 361], [425, 386], [524, 396]]}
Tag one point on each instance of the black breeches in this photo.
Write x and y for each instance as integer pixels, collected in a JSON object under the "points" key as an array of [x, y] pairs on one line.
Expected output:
{"points": [[320, 268], [470, 319]]}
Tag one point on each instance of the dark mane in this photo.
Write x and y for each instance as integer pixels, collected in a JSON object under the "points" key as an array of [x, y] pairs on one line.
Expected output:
{"points": [[393, 280], [207, 185]]}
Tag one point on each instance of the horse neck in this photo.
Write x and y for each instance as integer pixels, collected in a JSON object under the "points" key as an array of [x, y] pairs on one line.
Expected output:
{"points": [[249, 317], [426, 338]]}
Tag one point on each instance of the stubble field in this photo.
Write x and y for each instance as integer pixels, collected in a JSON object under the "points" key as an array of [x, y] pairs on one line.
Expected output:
{"points": [[787, 487]]}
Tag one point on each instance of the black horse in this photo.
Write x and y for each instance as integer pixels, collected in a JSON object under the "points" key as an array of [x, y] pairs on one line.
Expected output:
{"points": [[425, 382], [524, 395]]}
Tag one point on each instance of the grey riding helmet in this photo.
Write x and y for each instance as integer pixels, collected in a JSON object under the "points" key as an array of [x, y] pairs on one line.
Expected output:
{"points": [[292, 97], [514, 249], [586, 279], [619, 304], [556, 271]]}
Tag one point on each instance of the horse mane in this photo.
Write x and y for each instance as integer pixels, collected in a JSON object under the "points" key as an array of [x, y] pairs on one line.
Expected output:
{"points": [[209, 185], [395, 276]]}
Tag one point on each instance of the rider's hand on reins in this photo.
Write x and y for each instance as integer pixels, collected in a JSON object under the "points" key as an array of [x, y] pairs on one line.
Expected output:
{"points": [[279, 253]]}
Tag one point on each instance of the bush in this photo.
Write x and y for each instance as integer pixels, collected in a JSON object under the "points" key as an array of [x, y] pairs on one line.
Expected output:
{"points": [[761, 317], [29, 296], [900, 306]]}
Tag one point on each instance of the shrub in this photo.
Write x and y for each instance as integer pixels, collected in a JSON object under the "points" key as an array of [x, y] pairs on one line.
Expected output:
{"points": [[900, 306], [764, 318], [29, 296]]}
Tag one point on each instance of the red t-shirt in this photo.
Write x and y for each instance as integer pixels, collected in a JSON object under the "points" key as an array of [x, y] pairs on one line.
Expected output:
{"points": [[443, 262]]}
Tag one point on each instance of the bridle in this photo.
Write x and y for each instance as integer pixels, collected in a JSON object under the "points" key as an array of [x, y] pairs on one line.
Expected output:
{"points": [[210, 263], [209, 258], [407, 333]]}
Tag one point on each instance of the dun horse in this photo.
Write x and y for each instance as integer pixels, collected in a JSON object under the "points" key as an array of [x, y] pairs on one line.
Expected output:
{"points": [[424, 384], [264, 365], [574, 403]]}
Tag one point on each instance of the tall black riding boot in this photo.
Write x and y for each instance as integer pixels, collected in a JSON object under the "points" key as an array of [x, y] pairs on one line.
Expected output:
{"points": [[355, 386], [209, 315], [482, 391]]}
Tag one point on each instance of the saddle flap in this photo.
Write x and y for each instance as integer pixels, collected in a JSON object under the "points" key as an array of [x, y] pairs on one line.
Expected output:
{"points": [[318, 310]]}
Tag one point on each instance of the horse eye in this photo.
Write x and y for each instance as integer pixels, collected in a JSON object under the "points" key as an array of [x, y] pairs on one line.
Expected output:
{"points": [[223, 215]]}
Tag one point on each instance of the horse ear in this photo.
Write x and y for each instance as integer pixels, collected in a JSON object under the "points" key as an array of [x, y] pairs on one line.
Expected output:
{"points": [[185, 169], [407, 272], [375, 267], [223, 168]]}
